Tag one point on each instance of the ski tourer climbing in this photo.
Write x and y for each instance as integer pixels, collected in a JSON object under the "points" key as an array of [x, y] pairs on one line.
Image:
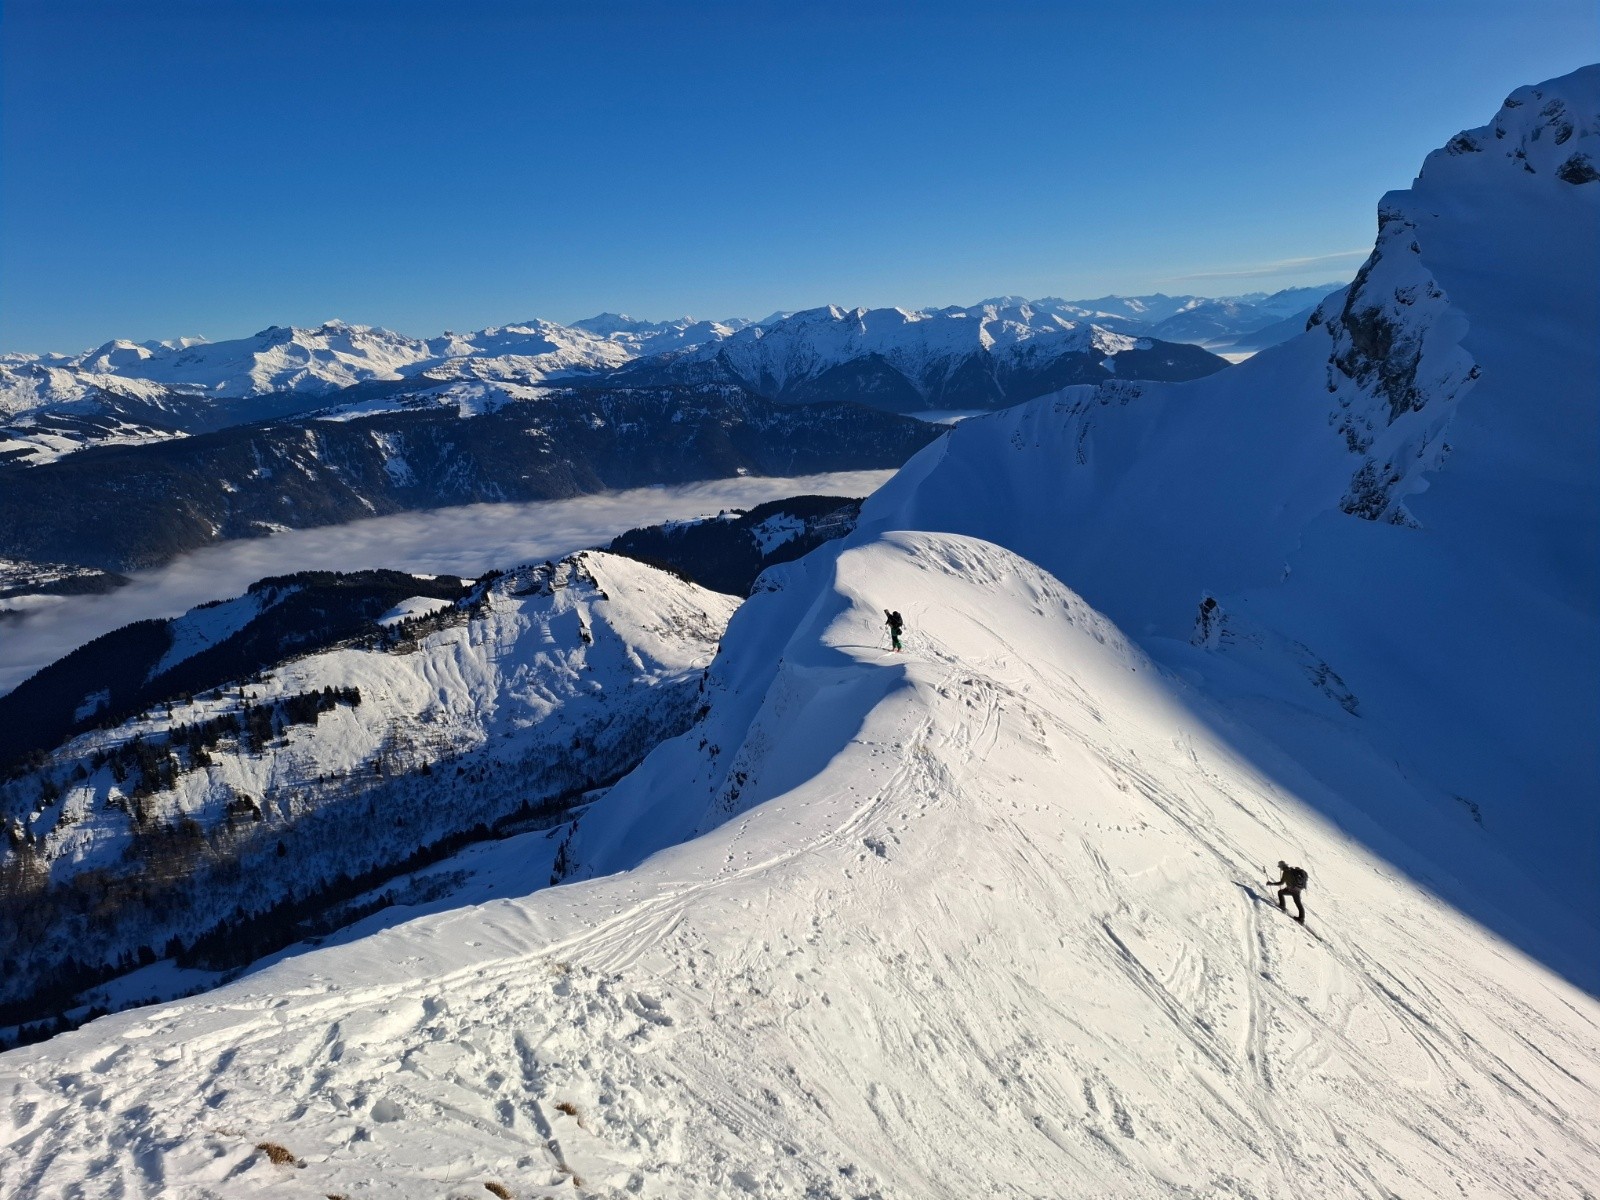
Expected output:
{"points": [[1291, 881], [895, 624]]}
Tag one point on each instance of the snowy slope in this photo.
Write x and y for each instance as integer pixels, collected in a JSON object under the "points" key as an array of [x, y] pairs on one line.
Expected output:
{"points": [[541, 684], [1405, 502], [984, 919]]}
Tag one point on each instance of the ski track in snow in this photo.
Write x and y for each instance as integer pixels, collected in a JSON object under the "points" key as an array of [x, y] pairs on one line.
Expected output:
{"points": [[1012, 940]]}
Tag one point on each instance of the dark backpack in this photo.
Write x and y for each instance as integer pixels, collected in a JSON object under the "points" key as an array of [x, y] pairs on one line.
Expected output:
{"points": [[1296, 877], [894, 621]]}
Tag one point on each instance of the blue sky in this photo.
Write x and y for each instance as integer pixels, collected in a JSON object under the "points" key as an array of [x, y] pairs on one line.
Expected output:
{"points": [[212, 167]]}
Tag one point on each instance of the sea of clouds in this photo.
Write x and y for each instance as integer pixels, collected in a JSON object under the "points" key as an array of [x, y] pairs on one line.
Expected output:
{"points": [[466, 541]]}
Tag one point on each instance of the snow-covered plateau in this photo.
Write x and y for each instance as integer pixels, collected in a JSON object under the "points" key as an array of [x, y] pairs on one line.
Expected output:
{"points": [[988, 917]]}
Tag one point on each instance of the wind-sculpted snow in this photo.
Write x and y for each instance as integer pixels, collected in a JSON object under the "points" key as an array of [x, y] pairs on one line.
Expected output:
{"points": [[1406, 500], [981, 919]]}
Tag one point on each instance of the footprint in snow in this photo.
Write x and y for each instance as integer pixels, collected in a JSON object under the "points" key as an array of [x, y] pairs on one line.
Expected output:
{"points": [[648, 1009]]}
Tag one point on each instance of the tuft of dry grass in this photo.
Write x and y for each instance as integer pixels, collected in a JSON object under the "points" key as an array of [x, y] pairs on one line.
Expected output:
{"points": [[568, 1107], [498, 1189], [279, 1156]]}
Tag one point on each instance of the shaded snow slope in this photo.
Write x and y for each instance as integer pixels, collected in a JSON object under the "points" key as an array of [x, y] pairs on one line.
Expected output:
{"points": [[986, 918], [980, 919], [1398, 513]]}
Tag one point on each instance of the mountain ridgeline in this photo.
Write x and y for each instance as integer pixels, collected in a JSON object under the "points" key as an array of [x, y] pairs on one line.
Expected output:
{"points": [[153, 663], [150, 764], [125, 507], [205, 786], [990, 357], [727, 552]]}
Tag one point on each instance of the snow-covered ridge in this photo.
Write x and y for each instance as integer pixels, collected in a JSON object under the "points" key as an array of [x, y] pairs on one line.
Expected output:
{"points": [[988, 917], [324, 360], [544, 681], [902, 360], [983, 919], [157, 381], [1394, 515], [914, 342]]}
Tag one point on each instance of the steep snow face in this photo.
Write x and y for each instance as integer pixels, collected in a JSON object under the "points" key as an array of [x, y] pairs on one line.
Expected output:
{"points": [[1397, 513], [982, 918]]}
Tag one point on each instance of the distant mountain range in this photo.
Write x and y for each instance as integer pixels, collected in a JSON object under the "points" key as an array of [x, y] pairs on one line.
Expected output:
{"points": [[126, 455], [985, 357], [999, 351]]}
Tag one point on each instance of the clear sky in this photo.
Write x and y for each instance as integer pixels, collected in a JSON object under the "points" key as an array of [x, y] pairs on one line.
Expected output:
{"points": [[212, 167]]}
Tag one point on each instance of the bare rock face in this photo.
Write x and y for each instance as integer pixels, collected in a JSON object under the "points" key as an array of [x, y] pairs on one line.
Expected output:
{"points": [[1397, 369], [1579, 168]]}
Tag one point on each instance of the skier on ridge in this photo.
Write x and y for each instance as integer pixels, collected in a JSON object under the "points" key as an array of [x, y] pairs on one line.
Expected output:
{"points": [[1291, 882], [895, 624]]}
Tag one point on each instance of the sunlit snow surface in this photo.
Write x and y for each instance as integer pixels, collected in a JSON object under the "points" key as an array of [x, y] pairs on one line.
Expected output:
{"points": [[984, 919], [987, 917]]}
